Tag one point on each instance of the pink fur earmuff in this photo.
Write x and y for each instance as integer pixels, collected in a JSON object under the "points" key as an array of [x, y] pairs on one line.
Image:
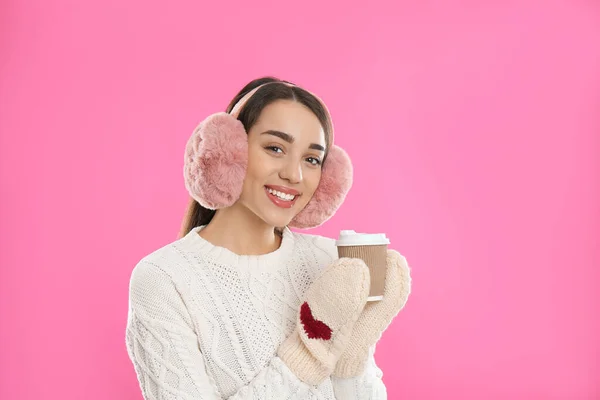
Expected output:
{"points": [[216, 159]]}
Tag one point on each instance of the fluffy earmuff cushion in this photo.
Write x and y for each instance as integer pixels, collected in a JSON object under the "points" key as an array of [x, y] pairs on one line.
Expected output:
{"points": [[216, 160], [336, 181]]}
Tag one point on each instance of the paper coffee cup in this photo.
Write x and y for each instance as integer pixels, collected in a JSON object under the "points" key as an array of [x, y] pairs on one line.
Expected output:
{"points": [[372, 249]]}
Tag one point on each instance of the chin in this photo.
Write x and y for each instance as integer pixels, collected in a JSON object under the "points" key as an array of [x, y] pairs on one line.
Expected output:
{"points": [[277, 222]]}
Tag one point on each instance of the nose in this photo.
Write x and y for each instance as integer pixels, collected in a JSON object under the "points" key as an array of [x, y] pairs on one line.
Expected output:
{"points": [[291, 171]]}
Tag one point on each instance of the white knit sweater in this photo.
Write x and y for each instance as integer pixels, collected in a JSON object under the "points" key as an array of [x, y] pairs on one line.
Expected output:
{"points": [[205, 323]]}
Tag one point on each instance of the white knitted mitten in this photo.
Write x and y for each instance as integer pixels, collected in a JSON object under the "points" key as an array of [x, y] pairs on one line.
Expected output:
{"points": [[333, 303], [376, 317]]}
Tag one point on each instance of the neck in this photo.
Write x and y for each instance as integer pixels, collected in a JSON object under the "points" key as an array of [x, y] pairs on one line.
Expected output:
{"points": [[238, 229]]}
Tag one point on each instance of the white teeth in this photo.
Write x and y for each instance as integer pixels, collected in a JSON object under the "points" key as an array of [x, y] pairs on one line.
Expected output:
{"points": [[282, 196]]}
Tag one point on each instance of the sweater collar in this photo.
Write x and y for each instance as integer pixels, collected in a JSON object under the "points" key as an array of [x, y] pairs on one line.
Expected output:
{"points": [[224, 255]]}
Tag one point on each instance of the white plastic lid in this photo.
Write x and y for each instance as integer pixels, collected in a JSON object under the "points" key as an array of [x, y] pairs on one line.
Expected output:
{"points": [[351, 238]]}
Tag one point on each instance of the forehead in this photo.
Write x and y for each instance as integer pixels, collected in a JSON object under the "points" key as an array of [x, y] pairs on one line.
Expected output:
{"points": [[293, 118]]}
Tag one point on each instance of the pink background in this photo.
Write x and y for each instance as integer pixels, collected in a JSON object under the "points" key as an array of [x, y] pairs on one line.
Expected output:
{"points": [[474, 130]]}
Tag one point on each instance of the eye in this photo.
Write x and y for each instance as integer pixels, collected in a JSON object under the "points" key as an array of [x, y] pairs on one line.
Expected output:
{"points": [[274, 149], [315, 161]]}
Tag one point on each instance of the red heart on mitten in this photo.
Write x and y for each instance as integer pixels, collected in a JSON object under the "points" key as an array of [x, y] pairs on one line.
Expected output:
{"points": [[314, 328]]}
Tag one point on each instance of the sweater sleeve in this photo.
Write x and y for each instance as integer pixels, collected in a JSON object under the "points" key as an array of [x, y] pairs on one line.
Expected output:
{"points": [[163, 346], [367, 386]]}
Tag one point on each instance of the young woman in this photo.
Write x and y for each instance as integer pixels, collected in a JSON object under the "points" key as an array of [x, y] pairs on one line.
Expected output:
{"points": [[241, 307]]}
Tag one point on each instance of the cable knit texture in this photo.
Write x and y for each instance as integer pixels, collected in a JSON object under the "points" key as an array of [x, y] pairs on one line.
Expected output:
{"points": [[205, 323]]}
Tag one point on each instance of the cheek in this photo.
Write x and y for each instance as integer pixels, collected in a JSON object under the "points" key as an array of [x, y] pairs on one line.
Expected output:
{"points": [[258, 164], [312, 178]]}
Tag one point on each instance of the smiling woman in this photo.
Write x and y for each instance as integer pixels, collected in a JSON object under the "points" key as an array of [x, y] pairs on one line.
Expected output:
{"points": [[240, 306], [284, 120], [282, 156]]}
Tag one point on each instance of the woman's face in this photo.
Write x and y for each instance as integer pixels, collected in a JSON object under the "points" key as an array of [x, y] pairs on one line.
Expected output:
{"points": [[285, 150]]}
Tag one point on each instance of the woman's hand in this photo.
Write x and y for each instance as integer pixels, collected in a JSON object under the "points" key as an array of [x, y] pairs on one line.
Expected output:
{"points": [[333, 304], [376, 317]]}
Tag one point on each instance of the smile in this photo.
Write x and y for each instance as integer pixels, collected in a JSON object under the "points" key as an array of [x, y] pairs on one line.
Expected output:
{"points": [[280, 199]]}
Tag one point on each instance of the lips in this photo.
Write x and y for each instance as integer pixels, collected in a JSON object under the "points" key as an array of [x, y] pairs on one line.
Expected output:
{"points": [[280, 202], [284, 189]]}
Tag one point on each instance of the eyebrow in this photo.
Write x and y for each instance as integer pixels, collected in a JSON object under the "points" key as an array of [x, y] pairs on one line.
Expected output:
{"points": [[290, 139]]}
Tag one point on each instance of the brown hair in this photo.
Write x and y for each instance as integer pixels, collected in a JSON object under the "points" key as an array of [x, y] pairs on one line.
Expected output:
{"points": [[276, 89]]}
